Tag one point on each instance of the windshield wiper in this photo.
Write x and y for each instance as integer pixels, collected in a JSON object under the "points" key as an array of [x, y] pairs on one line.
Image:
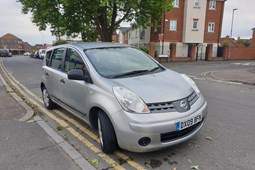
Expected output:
{"points": [[154, 69], [130, 73]]}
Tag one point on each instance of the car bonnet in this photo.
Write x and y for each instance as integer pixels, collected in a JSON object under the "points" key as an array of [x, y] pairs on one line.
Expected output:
{"points": [[158, 87]]}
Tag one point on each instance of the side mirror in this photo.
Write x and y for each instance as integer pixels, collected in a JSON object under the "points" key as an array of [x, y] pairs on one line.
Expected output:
{"points": [[77, 74]]}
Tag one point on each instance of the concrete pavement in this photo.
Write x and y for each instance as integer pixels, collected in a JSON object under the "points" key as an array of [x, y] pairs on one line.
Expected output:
{"points": [[240, 75], [25, 145], [245, 76]]}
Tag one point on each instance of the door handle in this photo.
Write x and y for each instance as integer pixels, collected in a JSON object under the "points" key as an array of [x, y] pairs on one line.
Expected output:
{"points": [[62, 81]]}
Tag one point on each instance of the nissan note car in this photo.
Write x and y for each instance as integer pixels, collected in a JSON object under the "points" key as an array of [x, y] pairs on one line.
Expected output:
{"points": [[134, 102]]}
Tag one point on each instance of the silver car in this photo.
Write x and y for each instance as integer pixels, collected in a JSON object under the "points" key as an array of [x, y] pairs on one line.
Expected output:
{"points": [[133, 101]]}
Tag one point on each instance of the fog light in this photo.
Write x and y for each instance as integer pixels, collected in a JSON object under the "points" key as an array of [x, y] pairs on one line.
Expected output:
{"points": [[144, 141]]}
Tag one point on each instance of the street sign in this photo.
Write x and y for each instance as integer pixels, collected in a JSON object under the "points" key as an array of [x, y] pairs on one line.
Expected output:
{"points": [[163, 56]]}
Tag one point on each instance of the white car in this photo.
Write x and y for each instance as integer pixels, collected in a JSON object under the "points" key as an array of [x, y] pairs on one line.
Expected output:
{"points": [[42, 53], [27, 54]]}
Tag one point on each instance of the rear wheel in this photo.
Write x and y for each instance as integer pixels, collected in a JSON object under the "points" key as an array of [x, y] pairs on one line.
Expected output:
{"points": [[49, 104], [106, 133]]}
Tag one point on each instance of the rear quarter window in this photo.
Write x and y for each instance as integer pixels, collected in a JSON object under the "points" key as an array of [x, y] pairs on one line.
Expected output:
{"points": [[56, 59], [48, 55]]}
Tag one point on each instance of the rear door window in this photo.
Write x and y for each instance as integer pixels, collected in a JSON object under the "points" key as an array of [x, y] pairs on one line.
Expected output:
{"points": [[56, 59]]}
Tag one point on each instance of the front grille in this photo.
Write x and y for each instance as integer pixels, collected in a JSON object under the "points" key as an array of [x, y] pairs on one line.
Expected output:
{"points": [[162, 107], [173, 106], [170, 136]]}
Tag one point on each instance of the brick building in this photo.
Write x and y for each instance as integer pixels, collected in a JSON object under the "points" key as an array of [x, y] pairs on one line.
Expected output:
{"points": [[190, 31], [13, 43]]}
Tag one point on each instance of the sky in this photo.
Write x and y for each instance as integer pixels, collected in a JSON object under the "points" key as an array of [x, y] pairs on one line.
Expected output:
{"points": [[14, 22]]}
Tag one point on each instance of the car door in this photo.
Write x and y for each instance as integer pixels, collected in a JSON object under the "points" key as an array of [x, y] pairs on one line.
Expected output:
{"points": [[73, 92], [52, 70]]}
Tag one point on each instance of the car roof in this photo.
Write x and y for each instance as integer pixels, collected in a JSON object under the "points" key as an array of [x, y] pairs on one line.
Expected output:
{"points": [[94, 45]]}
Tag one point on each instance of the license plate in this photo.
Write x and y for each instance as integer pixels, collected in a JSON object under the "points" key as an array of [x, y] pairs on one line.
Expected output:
{"points": [[188, 122]]}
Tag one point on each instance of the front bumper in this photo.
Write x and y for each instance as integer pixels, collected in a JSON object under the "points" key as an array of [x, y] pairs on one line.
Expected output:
{"points": [[159, 127]]}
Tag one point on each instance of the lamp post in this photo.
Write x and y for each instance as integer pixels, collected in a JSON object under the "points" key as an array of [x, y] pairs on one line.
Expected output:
{"points": [[163, 33], [231, 30]]}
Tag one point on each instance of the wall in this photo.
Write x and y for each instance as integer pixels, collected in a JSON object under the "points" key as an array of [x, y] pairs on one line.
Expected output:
{"points": [[216, 16], [181, 50], [121, 37], [176, 14], [191, 12], [242, 53]]}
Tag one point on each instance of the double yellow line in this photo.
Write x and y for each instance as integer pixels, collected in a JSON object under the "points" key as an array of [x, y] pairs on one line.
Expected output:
{"points": [[86, 131]]}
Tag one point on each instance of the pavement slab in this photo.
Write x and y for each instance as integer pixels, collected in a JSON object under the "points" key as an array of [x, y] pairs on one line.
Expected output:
{"points": [[26, 146], [9, 108]]}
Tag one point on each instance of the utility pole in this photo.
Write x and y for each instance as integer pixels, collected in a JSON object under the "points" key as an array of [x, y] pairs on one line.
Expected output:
{"points": [[231, 31], [163, 32]]}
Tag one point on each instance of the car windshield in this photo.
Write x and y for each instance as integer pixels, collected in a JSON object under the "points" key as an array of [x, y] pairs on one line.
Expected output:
{"points": [[121, 62], [43, 51]]}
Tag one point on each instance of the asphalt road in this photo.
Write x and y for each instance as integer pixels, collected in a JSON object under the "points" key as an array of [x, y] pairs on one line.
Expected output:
{"points": [[225, 142]]}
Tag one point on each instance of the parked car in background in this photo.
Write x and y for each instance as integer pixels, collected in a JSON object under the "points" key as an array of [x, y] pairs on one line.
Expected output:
{"points": [[5, 53], [36, 55], [10, 54], [32, 55], [135, 103], [27, 54], [42, 53]]}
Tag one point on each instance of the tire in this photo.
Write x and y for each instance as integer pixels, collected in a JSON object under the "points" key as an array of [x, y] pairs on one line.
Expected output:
{"points": [[49, 104], [106, 134]]}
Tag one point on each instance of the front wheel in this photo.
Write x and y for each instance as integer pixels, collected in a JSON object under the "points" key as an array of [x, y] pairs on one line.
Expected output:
{"points": [[106, 133], [49, 104]]}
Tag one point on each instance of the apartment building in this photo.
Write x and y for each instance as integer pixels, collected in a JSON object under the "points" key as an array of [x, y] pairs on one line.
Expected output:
{"points": [[189, 30]]}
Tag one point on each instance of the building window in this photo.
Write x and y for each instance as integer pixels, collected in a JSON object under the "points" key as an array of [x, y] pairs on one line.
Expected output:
{"points": [[212, 4], [196, 4], [195, 24], [176, 3], [211, 27], [173, 25]]}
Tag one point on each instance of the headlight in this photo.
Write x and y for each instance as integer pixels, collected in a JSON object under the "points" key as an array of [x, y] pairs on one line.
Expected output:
{"points": [[129, 101], [192, 83]]}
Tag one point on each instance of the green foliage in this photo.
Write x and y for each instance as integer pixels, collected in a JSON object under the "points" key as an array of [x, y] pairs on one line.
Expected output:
{"points": [[60, 42], [146, 50], [93, 18], [58, 128], [225, 43]]}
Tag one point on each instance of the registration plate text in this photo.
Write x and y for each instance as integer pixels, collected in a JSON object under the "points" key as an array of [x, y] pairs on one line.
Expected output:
{"points": [[187, 123]]}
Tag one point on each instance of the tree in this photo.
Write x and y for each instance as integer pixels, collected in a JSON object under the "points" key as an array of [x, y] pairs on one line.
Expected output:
{"points": [[93, 17], [60, 42]]}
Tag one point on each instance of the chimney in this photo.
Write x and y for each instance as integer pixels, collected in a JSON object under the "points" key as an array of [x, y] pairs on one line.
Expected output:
{"points": [[253, 36]]}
